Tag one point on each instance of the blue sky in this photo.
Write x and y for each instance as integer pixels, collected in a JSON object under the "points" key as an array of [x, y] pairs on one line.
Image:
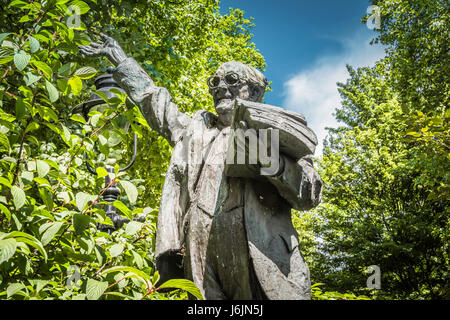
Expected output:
{"points": [[306, 45]]}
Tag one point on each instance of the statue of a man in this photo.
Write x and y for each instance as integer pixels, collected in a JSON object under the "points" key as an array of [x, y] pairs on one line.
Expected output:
{"points": [[231, 235]]}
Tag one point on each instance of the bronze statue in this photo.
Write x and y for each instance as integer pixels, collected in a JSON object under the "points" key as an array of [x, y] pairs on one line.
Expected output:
{"points": [[226, 226]]}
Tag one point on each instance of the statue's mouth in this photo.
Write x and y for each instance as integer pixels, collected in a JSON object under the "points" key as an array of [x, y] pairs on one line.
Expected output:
{"points": [[225, 104], [224, 100]]}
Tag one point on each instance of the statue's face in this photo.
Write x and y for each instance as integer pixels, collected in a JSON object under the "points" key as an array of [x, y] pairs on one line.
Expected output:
{"points": [[225, 86]]}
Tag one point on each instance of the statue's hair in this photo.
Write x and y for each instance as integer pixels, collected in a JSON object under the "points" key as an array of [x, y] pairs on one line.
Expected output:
{"points": [[247, 73]]}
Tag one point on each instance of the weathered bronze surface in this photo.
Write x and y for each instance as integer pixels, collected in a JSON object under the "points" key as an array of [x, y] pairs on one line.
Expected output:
{"points": [[227, 226]]}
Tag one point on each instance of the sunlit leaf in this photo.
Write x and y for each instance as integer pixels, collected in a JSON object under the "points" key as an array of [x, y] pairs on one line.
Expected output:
{"points": [[18, 197], [76, 84], [34, 44], [51, 231], [53, 93], [95, 289], [185, 285], [130, 190], [42, 168], [21, 60], [86, 72], [80, 222], [116, 250], [7, 249]]}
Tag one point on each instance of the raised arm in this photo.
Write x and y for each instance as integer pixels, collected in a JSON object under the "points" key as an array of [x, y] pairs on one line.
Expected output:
{"points": [[154, 102]]}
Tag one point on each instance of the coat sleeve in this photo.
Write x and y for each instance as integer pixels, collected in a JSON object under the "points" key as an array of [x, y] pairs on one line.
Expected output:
{"points": [[154, 102], [298, 183]]}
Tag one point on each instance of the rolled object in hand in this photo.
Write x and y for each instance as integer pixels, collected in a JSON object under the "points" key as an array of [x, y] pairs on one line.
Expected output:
{"points": [[296, 139]]}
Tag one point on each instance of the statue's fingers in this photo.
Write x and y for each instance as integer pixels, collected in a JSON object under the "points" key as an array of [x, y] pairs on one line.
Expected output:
{"points": [[104, 37], [83, 51], [84, 48], [88, 51], [95, 45], [87, 47]]}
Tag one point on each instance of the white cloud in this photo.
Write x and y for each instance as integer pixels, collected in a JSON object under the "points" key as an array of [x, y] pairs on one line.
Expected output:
{"points": [[313, 91]]}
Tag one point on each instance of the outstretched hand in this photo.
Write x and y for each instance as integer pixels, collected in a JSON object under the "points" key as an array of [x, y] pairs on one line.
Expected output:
{"points": [[110, 48]]}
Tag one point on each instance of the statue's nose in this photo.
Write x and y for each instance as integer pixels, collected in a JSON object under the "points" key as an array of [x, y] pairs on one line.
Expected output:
{"points": [[222, 84], [222, 87]]}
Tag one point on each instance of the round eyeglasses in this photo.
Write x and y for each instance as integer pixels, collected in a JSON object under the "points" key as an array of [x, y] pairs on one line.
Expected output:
{"points": [[230, 78]]}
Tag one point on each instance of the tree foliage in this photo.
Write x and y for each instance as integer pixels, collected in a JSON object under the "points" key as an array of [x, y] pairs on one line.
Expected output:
{"points": [[50, 204], [386, 168], [416, 36]]}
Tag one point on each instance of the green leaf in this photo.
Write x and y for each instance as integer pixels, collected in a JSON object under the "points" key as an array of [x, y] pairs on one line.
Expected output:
{"points": [[18, 197], [5, 182], [7, 249], [40, 284], [95, 289], [32, 126], [27, 177], [123, 208], [29, 239], [133, 227], [4, 143], [6, 211], [86, 245], [100, 254], [185, 285], [20, 108], [63, 196], [447, 113], [103, 141], [80, 4], [42, 168], [42, 182], [44, 68], [50, 233], [34, 44], [82, 199], [18, 3], [6, 55], [130, 190], [53, 93], [66, 134], [101, 172], [3, 36], [78, 118], [102, 95], [95, 118], [53, 127], [66, 69], [138, 273], [138, 259], [14, 288], [47, 198], [80, 222], [116, 250], [21, 60], [86, 72], [31, 78], [45, 226], [76, 84], [25, 19]]}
